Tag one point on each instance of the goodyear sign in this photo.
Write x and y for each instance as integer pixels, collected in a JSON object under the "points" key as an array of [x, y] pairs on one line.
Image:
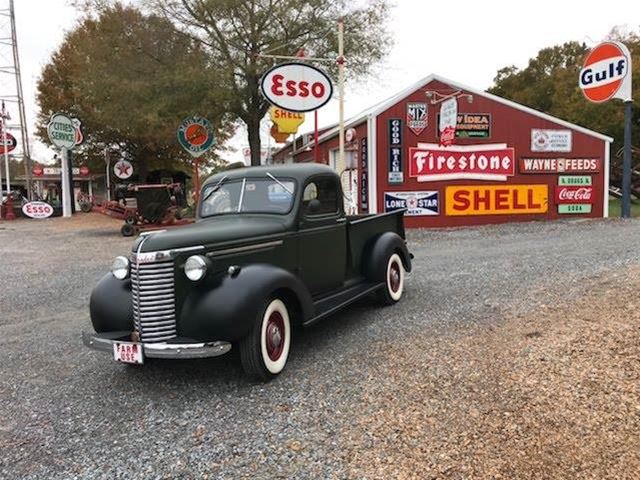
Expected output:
{"points": [[416, 203], [496, 199]]}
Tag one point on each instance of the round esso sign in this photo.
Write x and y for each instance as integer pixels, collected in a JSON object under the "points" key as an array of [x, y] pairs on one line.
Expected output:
{"points": [[37, 209], [297, 87], [606, 73]]}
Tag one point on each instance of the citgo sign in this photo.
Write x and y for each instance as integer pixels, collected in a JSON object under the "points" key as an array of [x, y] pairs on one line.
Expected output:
{"points": [[297, 87], [496, 200]]}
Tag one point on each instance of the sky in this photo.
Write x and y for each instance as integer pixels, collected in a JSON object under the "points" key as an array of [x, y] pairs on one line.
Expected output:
{"points": [[466, 41]]}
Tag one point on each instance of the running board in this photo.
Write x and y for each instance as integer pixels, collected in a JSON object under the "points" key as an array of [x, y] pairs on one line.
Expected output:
{"points": [[331, 304]]}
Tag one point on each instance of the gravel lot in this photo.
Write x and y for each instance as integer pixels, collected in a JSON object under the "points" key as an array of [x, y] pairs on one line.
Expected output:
{"points": [[515, 353]]}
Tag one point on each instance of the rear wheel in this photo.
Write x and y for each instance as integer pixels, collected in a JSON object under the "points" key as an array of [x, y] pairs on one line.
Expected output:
{"points": [[394, 281], [264, 351], [127, 230]]}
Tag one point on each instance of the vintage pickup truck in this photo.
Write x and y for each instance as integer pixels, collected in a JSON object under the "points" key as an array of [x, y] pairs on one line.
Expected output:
{"points": [[271, 249]]}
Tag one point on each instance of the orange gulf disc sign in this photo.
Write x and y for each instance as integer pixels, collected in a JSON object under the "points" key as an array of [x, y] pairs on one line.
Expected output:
{"points": [[278, 136], [287, 122], [606, 73]]}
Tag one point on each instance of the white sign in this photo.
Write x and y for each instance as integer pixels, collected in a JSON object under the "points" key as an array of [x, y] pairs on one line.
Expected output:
{"points": [[350, 135], [448, 121], [416, 203], [551, 140], [123, 169], [37, 209], [606, 73], [64, 131], [296, 87], [246, 153]]}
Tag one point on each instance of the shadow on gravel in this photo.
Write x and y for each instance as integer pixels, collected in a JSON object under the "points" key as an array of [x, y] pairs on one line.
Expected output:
{"points": [[102, 233]]}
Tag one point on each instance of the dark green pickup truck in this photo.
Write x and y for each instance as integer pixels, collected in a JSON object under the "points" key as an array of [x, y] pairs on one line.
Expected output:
{"points": [[272, 248]]}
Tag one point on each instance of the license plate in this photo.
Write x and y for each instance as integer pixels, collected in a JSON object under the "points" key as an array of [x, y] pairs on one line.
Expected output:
{"points": [[128, 352]]}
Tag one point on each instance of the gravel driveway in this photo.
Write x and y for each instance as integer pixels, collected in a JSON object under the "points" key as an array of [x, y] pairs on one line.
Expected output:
{"points": [[410, 391]]}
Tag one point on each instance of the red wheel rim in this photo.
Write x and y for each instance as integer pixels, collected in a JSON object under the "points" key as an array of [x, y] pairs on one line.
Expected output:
{"points": [[275, 333], [394, 277]]}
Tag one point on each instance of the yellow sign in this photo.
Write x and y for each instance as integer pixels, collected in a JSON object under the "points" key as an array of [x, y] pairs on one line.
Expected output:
{"points": [[496, 199], [279, 137], [287, 122]]}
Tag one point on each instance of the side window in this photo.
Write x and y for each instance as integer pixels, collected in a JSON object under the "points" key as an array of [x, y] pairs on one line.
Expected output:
{"points": [[320, 197]]}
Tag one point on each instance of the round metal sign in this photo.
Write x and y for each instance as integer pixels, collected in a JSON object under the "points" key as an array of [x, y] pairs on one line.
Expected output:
{"points": [[37, 209], [9, 144], [606, 73], [123, 169], [62, 131], [195, 135], [296, 87]]}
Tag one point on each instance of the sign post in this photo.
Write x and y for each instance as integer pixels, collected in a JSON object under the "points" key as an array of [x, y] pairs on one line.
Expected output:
{"points": [[65, 133], [195, 135], [606, 74]]}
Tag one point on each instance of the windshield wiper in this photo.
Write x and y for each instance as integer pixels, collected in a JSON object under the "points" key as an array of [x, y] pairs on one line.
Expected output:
{"points": [[279, 183], [213, 190]]}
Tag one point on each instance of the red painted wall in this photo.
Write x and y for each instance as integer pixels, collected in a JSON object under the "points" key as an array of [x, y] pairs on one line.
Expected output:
{"points": [[508, 125]]}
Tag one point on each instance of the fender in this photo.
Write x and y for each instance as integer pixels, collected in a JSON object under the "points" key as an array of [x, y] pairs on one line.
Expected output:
{"points": [[226, 307], [110, 305], [382, 247]]}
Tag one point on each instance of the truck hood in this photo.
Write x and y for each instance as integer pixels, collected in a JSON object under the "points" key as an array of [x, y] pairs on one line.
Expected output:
{"points": [[212, 231]]}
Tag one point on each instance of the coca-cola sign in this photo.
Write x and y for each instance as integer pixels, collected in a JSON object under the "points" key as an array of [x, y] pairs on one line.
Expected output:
{"points": [[431, 162], [573, 194]]}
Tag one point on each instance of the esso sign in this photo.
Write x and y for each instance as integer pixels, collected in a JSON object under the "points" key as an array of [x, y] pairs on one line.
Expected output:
{"points": [[37, 209], [297, 87], [606, 73]]}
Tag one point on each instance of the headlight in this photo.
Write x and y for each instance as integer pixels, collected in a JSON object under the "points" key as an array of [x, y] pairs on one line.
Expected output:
{"points": [[120, 268], [195, 267]]}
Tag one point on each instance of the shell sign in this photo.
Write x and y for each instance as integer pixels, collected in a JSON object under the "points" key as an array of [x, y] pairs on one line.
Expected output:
{"points": [[287, 122], [606, 73]]}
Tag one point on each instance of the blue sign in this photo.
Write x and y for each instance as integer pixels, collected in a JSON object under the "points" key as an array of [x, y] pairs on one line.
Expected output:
{"points": [[416, 203]]}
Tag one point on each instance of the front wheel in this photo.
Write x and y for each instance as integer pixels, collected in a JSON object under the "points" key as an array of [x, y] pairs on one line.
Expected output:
{"points": [[264, 351], [394, 281]]}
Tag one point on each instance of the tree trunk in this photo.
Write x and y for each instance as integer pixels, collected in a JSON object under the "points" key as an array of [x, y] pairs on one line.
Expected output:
{"points": [[253, 132]]}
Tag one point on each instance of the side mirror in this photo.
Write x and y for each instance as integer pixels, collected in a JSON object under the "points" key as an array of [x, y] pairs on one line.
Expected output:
{"points": [[313, 207]]}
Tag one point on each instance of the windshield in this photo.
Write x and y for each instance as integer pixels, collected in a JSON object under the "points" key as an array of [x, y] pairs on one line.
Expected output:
{"points": [[248, 195]]}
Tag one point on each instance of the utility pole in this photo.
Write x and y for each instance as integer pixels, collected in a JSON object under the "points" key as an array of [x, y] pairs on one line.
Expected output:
{"points": [[14, 93], [340, 167]]}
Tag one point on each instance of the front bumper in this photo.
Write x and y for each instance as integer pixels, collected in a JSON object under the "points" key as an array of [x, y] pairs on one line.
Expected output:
{"points": [[191, 349]]}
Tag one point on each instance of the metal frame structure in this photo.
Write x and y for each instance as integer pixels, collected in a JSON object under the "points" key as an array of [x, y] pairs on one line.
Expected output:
{"points": [[10, 39]]}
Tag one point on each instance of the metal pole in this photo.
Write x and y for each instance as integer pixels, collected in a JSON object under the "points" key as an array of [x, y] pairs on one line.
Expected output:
{"points": [[626, 162], [316, 149], [66, 197], [107, 172], [197, 180], [6, 150], [341, 165], [26, 152]]}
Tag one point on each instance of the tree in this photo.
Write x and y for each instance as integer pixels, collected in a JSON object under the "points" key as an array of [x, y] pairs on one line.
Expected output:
{"points": [[235, 32], [131, 78], [549, 83]]}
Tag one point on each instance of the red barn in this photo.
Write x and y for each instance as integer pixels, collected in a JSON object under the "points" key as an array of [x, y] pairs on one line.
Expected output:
{"points": [[507, 162]]}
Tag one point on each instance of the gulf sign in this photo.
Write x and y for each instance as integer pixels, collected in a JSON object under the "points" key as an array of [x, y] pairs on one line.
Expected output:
{"points": [[606, 73], [430, 162], [496, 200], [296, 87]]}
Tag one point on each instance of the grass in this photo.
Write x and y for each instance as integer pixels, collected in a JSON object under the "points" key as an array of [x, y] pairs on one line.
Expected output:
{"points": [[615, 207]]}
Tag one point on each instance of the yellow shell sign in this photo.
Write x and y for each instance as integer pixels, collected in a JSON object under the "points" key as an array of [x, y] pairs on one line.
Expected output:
{"points": [[287, 122]]}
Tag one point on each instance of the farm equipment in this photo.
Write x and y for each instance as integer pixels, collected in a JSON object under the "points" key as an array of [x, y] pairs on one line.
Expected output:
{"points": [[146, 207]]}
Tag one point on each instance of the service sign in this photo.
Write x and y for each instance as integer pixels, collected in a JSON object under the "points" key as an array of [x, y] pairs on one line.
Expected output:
{"points": [[195, 135], [417, 117], [37, 209], [64, 131], [606, 73], [417, 203], [551, 140], [287, 122], [566, 194], [447, 121], [8, 143], [296, 87], [431, 162], [560, 165], [496, 200]]}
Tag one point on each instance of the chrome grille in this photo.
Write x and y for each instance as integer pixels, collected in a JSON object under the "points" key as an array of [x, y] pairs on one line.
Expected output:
{"points": [[153, 296]]}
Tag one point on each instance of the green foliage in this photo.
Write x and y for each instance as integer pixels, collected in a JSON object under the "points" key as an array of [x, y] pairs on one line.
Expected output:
{"points": [[549, 83], [235, 32], [131, 78]]}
